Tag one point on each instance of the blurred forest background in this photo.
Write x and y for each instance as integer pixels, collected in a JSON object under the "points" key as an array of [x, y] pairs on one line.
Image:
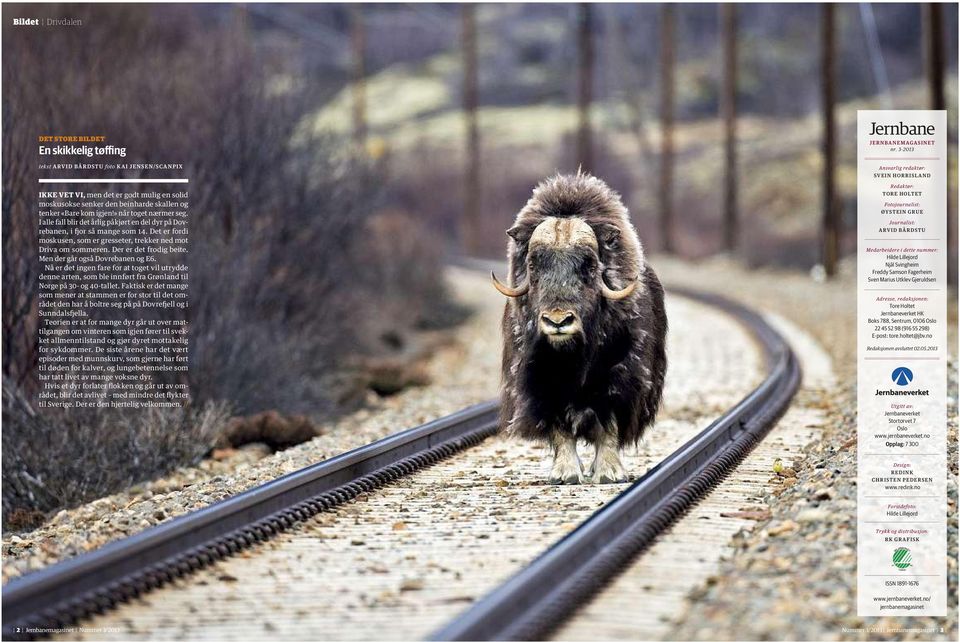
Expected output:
{"points": [[339, 155], [531, 65]]}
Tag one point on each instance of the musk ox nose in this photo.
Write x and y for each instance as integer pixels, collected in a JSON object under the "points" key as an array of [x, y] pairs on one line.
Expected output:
{"points": [[558, 322]]}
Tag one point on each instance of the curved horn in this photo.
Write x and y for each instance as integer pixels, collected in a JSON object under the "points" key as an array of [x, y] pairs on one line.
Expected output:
{"points": [[506, 290], [617, 295]]}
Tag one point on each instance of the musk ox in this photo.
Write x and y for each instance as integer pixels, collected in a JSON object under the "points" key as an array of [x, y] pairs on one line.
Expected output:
{"points": [[584, 328]]}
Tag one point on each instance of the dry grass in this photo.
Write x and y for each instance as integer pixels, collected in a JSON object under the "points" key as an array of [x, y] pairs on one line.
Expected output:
{"points": [[58, 458], [288, 274]]}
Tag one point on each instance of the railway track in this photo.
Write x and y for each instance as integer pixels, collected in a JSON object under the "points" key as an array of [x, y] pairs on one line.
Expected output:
{"points": [[538, 599], [527, 606]]}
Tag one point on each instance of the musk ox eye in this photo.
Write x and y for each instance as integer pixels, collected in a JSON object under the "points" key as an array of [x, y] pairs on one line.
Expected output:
{"points": [[609, 236], [588, 267]]}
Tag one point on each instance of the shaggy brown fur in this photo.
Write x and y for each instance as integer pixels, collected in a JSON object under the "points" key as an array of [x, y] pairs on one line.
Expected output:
{"points": [[610, 377]]}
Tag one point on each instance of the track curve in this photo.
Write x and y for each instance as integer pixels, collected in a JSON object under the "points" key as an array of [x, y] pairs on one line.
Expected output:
{"points": [[93, 583]]}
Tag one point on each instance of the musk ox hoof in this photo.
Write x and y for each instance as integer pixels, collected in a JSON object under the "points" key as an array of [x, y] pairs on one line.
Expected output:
{"points": [[567, 468], [607, 469], [609, 478], [572, 478], [566, 472]]}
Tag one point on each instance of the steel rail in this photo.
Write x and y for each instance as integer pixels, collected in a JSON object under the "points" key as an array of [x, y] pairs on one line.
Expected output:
{"points": [[63, 593], [536, 600]]}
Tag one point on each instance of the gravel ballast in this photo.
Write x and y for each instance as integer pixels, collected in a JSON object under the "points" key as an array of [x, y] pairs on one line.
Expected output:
{"points": [[794, 576], [453, 387]]}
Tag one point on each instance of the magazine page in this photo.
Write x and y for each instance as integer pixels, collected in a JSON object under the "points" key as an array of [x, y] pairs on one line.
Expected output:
{"points": [[479, 321]]}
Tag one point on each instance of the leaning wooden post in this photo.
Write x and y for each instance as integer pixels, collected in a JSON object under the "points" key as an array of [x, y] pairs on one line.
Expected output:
{"points": [[831, 232], [666, 127], [358, 39], [470, 225], [934, 59], [585, 90], [728, 108]]}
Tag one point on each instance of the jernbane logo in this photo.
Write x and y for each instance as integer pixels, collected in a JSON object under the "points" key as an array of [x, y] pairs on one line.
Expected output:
{"points": [[901, 129]]}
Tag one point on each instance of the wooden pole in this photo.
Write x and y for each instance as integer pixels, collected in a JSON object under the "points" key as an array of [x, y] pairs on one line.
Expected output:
{"points": [[934, 58], [831, 232], [470, 227], [728, 108], [666, 127], [358, 39], [242, 17], [585, 92]]}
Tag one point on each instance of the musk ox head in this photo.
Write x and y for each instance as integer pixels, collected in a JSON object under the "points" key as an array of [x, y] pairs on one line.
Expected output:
{"points": [[564, 282]]}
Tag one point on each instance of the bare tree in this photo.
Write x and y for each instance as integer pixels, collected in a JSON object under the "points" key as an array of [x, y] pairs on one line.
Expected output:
{"points": [[585, 93], [21, 265], [728, 108], [667, 37], [616, 35], [470, 228], [358, 46], [831, 231], [869, 22]]}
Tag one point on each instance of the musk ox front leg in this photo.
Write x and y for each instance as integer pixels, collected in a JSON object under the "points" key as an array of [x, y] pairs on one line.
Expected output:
{"points": [[607, 467], [566, 462]]}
